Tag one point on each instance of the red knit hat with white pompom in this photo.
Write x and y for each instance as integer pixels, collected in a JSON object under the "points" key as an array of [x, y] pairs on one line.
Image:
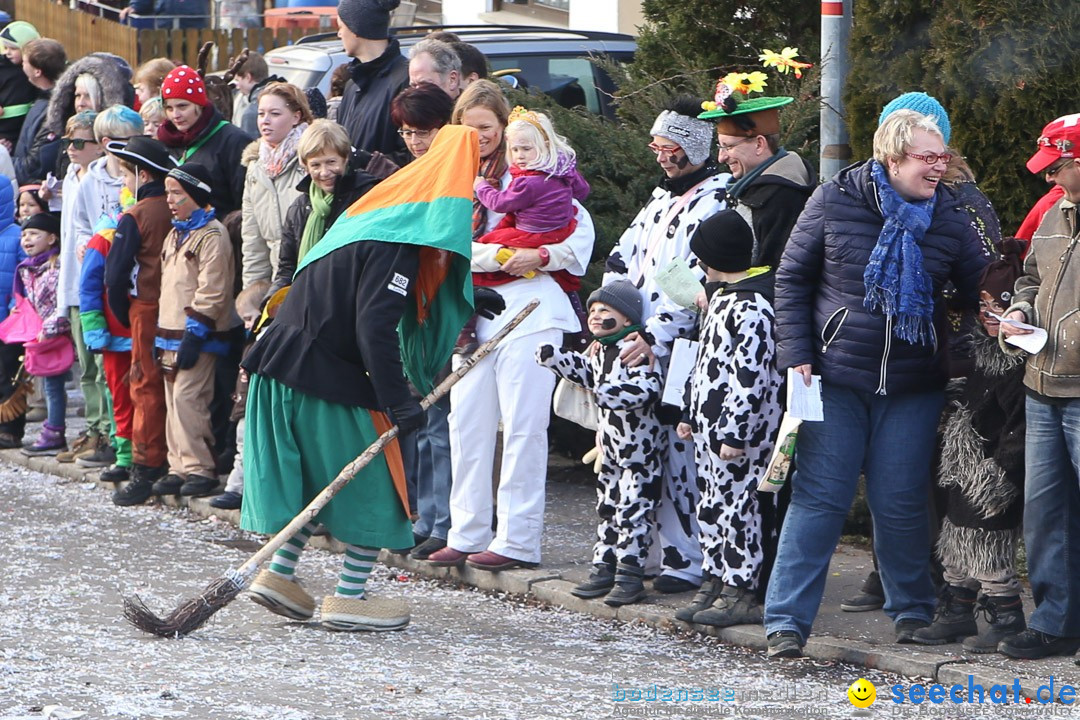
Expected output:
{"points": [[184, 83]]}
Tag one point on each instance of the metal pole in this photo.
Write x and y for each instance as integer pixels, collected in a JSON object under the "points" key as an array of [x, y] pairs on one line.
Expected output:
{"points": [[835, 34]]}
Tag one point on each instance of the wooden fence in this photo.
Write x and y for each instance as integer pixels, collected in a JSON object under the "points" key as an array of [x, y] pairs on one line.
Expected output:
{"points": [[81, 33]]}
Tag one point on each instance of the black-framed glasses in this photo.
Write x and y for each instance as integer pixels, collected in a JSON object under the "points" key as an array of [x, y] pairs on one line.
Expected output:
{"points": [[409, 133], [77, 143], [1058, 166]]}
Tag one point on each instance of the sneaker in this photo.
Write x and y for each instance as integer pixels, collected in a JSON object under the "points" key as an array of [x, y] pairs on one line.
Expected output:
{"points": [[629, 586], [373, 614], [704, 598], [669, 585], [600, 582], [136, 492], [115, 474], [954, 619], [227, 500], [907, 627], [447, 557], [871, 596], [199, 486], [169, 485], [1034, 644], [282, 596], [100, 454], [424, 550], [785, 644], [735, 606], [49, 442], [84, 442]]}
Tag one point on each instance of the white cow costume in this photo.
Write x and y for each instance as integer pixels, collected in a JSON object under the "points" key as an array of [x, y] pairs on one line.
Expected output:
{"points": [[659, 234]]}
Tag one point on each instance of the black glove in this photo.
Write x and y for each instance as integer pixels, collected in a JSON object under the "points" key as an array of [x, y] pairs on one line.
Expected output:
{"points": [[407, 415], [121, 308], [487, 302], [188, 354]]}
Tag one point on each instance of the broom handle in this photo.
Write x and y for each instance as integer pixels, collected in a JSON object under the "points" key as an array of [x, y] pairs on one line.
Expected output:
{"points": [[349, 471]]}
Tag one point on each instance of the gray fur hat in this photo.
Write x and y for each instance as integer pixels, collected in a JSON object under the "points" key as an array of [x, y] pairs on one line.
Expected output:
{"points": [[620, 295], [110, 76], [692, 135], [368, 18]]}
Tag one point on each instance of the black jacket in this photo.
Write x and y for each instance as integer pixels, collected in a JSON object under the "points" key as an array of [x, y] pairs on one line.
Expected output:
{"points": [[36, 151], [15, 89], [221, 156], [335, 336], [771, 204], [350, 187], [820, 317], [365, 104]]}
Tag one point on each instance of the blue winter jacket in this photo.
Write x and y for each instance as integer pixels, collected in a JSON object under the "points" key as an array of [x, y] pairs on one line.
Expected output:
{"points": [[11, 252], [166, 11], [820, 317]]}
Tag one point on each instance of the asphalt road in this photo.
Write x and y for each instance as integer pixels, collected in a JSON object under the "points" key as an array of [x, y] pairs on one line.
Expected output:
{"points": [[71, 555]]}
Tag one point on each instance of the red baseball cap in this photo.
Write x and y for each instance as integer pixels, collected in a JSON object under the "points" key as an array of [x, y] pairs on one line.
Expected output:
{"points": [[1059, 139]]}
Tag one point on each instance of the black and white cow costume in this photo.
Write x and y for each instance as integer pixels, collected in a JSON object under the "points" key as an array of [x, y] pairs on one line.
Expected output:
{"points": [[632, 443], [735, 401], [658, 235]]}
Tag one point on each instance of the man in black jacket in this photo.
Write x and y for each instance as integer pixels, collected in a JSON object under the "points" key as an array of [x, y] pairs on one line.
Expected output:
{"points": [[377, 73], [17, 95]]}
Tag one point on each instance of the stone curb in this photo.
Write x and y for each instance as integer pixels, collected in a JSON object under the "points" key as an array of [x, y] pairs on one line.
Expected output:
{"points": [[549, 588]]}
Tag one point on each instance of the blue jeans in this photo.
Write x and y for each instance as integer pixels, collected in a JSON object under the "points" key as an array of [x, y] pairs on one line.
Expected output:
{"points": [[1052, 515], [56, 399], [891, 438], [433, 472]]}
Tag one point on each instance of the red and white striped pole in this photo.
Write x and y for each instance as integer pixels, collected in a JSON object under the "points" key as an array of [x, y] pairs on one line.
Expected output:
{"points": [[835, 35]]}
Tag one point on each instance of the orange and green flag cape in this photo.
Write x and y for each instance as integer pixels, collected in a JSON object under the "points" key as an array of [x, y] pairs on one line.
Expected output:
{"points": [[426, 203]]}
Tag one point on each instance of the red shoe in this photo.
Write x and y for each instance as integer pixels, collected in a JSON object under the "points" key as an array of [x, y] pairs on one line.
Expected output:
{"points": [[495, 562], [447, 557]]}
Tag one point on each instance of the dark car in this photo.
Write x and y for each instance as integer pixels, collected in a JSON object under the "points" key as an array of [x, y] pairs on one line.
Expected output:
{"points": [[556, 62]]}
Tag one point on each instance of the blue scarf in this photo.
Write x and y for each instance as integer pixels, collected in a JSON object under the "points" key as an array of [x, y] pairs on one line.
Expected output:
{"points": [[896, 283], [200, 217]]}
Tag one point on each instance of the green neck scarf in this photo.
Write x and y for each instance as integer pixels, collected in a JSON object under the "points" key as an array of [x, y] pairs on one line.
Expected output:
{"points": [[315, 227], [616, 337]]}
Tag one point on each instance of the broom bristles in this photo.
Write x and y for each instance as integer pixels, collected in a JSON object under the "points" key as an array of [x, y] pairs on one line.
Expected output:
{"points": [[16, 404], [190, 615]]}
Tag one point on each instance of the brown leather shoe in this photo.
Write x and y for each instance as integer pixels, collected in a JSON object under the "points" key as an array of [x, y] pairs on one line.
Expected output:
{"points": [[494, 562], [447, 557]]}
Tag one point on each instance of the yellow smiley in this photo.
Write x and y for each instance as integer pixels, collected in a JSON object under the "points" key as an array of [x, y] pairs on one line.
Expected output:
{"points": [[862, 693]]}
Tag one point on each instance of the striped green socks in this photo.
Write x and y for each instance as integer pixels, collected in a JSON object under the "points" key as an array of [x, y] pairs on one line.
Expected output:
{"points": [[355, 570], [284, 561]]}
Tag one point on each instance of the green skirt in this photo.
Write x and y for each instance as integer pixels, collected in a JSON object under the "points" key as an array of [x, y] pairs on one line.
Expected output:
{"points": [[294, 446]]}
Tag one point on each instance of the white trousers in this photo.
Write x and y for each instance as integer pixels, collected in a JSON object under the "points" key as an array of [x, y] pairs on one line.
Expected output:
{"points": [[508, 384]]}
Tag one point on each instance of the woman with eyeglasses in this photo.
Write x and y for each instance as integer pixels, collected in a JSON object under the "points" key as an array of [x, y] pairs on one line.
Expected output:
{"points": [[419, 111], [858, 303], [274, 171]]}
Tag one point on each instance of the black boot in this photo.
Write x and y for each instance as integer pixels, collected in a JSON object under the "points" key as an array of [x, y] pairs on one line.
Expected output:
{"points": [[954, 619], [629, 585], [871, 596], [735, 606], [1006, 618], [704, 598], [600, 582], [138, 490]]}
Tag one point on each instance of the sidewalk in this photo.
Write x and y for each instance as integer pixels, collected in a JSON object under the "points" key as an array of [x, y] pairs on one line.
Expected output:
{"points": [[862, 639]]}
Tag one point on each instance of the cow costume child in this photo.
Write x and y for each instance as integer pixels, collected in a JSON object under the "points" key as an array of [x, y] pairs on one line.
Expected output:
{"points": [[329, 376], [631, 441], [734, 416]]}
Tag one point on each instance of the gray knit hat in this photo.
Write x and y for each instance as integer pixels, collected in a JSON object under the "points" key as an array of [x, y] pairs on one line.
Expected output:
{"points": [[368, 18], [692, 135], [620, 295]]}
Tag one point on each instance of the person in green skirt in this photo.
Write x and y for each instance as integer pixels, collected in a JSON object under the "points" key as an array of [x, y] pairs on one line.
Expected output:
{"points": [[380, 298]]}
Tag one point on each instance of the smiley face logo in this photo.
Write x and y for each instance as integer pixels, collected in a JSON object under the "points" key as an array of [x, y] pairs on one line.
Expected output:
{"points": [[862, 693]]}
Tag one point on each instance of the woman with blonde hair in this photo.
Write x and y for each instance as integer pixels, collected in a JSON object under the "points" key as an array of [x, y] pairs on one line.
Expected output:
{"points": [[149, 77], [273, 172]]}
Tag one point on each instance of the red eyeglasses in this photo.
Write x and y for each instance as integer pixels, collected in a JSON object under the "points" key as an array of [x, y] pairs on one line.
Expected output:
{"points": [[931, 158]]}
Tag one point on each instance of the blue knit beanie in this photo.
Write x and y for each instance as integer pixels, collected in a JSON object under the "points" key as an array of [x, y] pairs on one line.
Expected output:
{"points": [[920, 102]]}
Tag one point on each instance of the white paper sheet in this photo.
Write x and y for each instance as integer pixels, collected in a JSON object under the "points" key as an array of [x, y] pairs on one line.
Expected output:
{"points": [[804, 403], [683, 357], [1031, 343], [679, 283]]}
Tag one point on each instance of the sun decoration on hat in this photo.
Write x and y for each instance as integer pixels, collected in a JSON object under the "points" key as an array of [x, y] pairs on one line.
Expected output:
{"points": [[732, 83], [733, 90]]}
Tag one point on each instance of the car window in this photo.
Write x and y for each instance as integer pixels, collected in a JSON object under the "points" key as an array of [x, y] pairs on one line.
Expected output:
{"points": [[298, 76], [568, 80]]}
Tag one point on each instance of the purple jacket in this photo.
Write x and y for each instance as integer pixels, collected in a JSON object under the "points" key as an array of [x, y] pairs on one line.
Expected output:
{"points": [[539, 203]]}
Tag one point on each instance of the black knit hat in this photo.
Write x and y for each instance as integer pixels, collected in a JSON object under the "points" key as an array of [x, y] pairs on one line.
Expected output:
{"points": [[368, 19], [43, 221], [195, 179], [999, 277], [724, 242], [145, 153], [622, 296]]}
